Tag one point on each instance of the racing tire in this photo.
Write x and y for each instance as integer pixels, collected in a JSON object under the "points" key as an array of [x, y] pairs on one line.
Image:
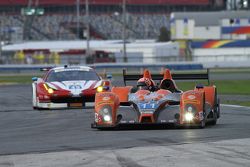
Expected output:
{"points": [[216, 104], [218, 108], [40, 109], [216, 113], [214, 121], [202, 124], [34, 101]]}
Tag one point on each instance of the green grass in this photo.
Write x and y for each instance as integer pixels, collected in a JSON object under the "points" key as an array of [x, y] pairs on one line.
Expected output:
{"points": [[226, 87], [239, 87], [16, 79], [229, 70]]}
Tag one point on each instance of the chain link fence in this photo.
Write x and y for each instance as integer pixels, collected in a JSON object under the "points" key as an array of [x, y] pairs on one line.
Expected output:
{"points": [[54, 58]]}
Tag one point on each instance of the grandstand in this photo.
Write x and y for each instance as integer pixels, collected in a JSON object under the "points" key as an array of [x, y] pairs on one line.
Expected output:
{"points": [[59, 22]]}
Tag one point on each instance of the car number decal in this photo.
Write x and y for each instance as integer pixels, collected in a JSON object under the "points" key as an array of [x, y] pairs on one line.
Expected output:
{"points": [[75, 87], [147, 105]]}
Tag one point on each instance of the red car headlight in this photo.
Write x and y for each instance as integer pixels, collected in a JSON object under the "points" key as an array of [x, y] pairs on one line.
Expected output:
{"points": [[99, 89], [102, 88], [49, 89]]}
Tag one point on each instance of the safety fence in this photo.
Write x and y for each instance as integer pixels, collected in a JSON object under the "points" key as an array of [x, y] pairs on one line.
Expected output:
{"points": [[81, 59], [107, 67]]}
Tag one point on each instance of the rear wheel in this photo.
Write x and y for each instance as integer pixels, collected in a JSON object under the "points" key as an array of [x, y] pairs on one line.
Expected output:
{"points": [[218, 108], [216, 104], [215, 113], [214, 121], [203, 122]]}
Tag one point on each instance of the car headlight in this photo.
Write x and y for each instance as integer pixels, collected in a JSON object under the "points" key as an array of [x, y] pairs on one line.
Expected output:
{"points": [[102, 88], [189, 116], [107, 118], [99, 89], [106, 113], [190, 108], [49, 89]]}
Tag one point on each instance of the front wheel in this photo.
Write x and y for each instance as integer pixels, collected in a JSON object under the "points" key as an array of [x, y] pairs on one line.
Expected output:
{"points": [[34, 97], [202, 124]]}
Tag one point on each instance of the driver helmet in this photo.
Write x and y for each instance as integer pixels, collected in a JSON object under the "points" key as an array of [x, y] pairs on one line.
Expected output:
{"points": [[144, 84]]}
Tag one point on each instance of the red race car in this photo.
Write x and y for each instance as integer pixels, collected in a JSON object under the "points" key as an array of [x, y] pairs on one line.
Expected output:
{"points": [[68, 86]]}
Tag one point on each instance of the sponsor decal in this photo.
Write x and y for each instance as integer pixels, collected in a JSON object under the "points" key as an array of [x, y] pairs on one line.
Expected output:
{"points": [[70, 85], [106, 95], [75, 87], [191, 97], [106, 98], [71, 69], [76, 95], [147, 105], [46, 97], [97, 118], [147, 111], [192, 101], [105, 102]]}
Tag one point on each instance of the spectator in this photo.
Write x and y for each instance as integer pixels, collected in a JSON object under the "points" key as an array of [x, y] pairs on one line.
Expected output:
{"points": [[29, 59], [19, 57]]}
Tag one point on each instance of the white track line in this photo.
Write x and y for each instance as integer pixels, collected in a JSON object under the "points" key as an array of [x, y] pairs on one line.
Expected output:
{"points": [[235, 106]]}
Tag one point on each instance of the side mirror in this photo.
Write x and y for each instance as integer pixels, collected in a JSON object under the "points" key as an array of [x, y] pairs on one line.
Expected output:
{"points": [[109, 76], [34, 79]]}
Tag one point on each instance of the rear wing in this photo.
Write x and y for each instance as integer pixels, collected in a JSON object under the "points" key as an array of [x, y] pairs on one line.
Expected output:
{"points": [[179, 76]]}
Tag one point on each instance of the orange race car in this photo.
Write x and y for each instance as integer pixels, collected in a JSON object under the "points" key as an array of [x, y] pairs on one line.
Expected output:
{"points": [[150, 104]]}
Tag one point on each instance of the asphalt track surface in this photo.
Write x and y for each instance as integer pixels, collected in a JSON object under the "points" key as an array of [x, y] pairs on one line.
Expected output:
{"points": [[24, 130]]}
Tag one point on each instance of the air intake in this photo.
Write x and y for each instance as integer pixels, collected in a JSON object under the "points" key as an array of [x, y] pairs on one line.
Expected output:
{"points": [[146, 119]]}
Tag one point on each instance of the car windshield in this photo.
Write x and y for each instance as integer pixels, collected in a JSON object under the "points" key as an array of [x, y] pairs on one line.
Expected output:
{"points": [[73, 75]]}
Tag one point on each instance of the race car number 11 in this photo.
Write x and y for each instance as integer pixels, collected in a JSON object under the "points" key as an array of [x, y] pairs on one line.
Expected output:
{"points": [[147, 105]]}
